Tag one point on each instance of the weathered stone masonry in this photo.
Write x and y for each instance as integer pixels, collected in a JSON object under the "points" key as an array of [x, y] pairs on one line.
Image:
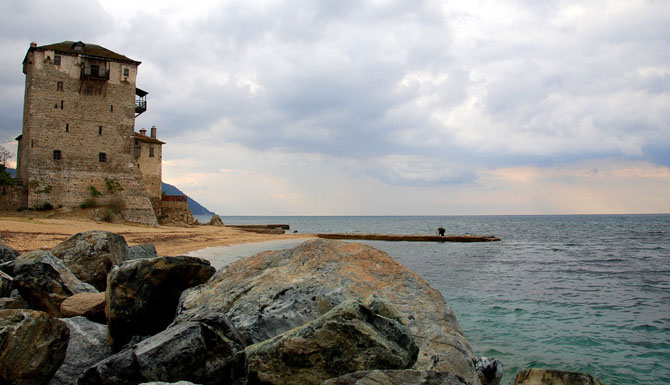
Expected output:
{"points": [[78, 128]]}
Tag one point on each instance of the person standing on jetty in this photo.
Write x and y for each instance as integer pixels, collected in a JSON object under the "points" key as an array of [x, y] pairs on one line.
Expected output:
{"points": [[441, 230]]}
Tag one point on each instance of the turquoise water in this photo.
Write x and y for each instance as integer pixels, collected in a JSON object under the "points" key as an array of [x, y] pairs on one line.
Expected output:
{"points": [[579, 293]]}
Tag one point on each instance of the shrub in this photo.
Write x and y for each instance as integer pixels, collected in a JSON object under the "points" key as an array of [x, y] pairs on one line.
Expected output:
{"points": [[94, 191], [45, 207], [89, 202], [116, 205], [112, 185]]}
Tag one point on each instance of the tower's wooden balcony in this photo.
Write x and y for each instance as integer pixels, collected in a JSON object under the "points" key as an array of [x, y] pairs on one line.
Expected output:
{"points": [[94, 73], [140, 101]]}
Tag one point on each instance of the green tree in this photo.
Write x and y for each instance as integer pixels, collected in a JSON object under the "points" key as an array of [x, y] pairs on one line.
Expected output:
{"points": [[5, 177]]}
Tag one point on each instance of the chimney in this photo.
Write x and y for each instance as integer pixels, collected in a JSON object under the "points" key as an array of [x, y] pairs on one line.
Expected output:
{"points": [[143, 131], [33, 45], [153, 132]]}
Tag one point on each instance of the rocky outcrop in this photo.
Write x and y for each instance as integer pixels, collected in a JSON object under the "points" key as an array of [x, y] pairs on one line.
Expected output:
{"points": [[142, 294], [14, 301], [192, 351], [146, 250], [397, 377], [88, 345], [538, 376], [489, 370], [215, 221], [33, 346], [44, 282], [6, 284], [89, 305], [355, 335], [276, 291], [91, 255]]}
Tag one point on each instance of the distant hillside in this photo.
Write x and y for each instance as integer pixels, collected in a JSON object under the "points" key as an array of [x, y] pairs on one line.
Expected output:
{"points": [[195, 207]]}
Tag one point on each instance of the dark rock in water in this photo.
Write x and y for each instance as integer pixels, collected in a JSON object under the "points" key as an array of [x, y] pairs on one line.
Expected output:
{"points": [[276, 291], [89, 305], [355, 335], [142, 294], [190, 351], [45, 282], [168, 383], [91, 255], [6, 284], [146, 250], [538, 376], [489, 370], [215, 221], [33, 346], [397, 377], [88, 346]]}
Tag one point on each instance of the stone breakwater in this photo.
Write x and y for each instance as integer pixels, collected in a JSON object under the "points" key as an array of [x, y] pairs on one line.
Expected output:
{"points": [[324, 312]]}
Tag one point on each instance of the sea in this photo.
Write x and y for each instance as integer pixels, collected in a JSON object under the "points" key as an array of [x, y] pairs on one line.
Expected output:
{"points": [[584, 293]]}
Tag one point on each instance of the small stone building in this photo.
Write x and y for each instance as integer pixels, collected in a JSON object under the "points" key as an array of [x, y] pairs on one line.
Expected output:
{"points": [[80, 106]]}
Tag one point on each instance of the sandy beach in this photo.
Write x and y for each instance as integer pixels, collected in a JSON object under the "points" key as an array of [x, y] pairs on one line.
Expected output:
{"points": [[30, 231]]}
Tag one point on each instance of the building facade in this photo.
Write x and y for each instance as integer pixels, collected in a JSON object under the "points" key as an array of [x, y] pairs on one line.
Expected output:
{"points": [[78, 133]]}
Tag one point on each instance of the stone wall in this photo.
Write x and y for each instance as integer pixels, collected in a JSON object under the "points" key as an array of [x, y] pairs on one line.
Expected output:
{"points": [[79, 133], [174, 210], [13, 198]]}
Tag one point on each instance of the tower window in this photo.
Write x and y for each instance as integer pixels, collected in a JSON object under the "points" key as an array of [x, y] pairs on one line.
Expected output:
{"points": [[61, 104], [99, 130], [67, 127], [102, 157], [151, 152], [57, 60], [59, 86], [89, 90], [57, 155], [126, 72], [111, 108]]}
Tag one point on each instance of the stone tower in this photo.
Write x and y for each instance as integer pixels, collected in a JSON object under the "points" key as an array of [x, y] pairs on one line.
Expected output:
{"points": [[78, 128]]}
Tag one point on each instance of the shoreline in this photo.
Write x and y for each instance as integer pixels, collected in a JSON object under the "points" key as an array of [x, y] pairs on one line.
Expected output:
{"points": [[36, 231]]}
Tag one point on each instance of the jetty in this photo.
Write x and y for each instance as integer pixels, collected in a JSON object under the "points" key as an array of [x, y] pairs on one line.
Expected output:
{"points": [[410, 238], [263, 229]]}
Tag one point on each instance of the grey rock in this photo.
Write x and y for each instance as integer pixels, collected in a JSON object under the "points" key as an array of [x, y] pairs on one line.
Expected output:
{"points": [[215, 221], [44, 282], [7, 254], [146, 250], [489, 370], [272, 292], [356, 335], [397, 377], [537, 376], [91, 255], [14, 301], [191, 351], [88, 345], [33, 346], [142, 294], [6, 284]]}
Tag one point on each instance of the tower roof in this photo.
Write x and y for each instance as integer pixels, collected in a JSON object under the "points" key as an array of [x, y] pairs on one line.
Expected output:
{"points": [[78, 48]]}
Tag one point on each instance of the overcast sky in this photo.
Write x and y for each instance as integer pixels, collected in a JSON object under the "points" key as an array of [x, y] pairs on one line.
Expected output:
{"points": [[385, 107]]}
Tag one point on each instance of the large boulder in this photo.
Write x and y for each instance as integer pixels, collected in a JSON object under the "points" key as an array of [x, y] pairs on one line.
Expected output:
{"points": [[45, 282], [89, 305], [6, 284], [142, 294], [146, 250], [192, 351], [355, 335], [91, 255], [14, 301], [88, 345], [33, 346], [275, 291], [397, 377], [215, 221], [537, 376]]}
